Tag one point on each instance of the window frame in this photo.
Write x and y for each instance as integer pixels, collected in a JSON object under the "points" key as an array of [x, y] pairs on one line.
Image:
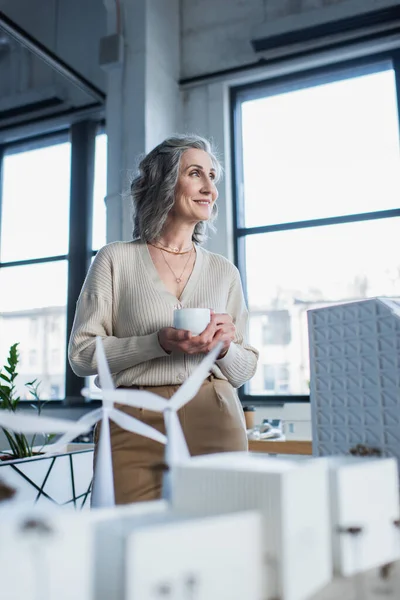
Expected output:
{"points": [[263, 88], [82, 136]]}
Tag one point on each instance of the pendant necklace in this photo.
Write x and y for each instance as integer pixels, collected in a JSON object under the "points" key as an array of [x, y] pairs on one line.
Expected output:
{"points": [[178, 279], [173, 251]]}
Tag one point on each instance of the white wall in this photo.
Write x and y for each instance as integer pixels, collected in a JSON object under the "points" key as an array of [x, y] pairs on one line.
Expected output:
{"points": [[143, 99], [205, 111], [162, 73], [216, 34]]}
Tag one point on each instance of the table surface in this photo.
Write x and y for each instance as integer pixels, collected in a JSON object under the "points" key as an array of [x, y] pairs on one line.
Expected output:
{"points": [[281, 447], [365, 586]]}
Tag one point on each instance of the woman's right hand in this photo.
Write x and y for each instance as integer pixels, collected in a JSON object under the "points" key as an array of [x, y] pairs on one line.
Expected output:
{"points": [[180, 340]]}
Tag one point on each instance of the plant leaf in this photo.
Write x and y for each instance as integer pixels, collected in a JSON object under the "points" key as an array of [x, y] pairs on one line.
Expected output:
{"points": [[13, 445], [4, 393], [9, 400]]}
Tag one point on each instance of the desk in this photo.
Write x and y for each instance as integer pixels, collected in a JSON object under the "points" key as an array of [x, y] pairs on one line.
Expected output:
{"points": [[365, 586], [280, 447]]}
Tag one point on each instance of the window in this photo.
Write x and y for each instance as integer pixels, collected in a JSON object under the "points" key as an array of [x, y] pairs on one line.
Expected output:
{"points": [[55, 357], [276, 328], [276, 378], [317, 164], [35, 196], [99, 218], [32, 358], [99, 192], [54, 392], [42, 217], [33, 326]]}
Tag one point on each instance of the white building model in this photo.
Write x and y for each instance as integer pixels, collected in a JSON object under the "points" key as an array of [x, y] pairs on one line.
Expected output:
{"points": [[138, 552], [239, 526], [355, 377], [355, 407], [293, 498]]}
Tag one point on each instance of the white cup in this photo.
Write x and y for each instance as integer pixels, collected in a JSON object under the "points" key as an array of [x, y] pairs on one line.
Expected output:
{"points": [[192, 319]]}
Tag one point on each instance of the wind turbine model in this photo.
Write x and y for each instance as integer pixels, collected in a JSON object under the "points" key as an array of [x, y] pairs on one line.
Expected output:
{"points": [[24, 423], [176, 448], [103, 481]]}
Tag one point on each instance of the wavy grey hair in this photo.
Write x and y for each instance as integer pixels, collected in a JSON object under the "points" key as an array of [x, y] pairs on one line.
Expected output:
{"points": [[153, 190]]}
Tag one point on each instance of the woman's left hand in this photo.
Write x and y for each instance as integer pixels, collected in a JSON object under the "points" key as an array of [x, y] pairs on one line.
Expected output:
{"points": [[225, 330]]}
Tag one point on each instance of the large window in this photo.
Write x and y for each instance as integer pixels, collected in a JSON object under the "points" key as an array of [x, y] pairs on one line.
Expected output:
{"points": [[44, 199], [317, 180], [99, 192]]}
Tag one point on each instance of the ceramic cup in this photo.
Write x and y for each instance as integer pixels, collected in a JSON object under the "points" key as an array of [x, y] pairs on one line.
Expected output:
{"points": [[192, 319]]}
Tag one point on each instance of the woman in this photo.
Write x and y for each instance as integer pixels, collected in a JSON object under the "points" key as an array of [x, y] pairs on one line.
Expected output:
{"points": [[129, 297]]}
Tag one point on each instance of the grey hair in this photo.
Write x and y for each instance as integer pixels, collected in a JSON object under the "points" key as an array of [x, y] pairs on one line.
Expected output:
{"points": [[153, 190]]}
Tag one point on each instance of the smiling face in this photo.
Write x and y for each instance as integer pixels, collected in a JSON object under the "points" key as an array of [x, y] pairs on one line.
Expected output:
{"points": [[195, 192]]}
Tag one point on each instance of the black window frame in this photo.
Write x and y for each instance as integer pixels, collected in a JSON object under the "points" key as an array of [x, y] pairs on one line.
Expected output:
{"points": [[239, 93], [82, 136]]}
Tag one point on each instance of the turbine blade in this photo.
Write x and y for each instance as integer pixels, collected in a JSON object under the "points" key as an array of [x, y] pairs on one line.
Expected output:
{"points": [[191, 386], [176, 449], [137, 398], [23, 423], [167, 486], [103, 479], [84, 423], [106, 380], [136, 426]]}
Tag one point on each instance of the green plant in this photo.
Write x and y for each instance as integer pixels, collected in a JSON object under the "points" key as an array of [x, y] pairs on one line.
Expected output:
{"points": [[20, 446]]}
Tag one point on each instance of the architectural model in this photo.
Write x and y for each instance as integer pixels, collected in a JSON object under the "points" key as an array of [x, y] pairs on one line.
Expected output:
{"points": [[355, 377]]}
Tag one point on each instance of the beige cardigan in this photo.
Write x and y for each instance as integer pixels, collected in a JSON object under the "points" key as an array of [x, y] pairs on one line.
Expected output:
{"points": [[124, 301]]}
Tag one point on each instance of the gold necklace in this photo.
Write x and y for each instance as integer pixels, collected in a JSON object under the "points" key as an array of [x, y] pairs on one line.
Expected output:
{"points": [[175, 249], [177, 279], [170, 251]]}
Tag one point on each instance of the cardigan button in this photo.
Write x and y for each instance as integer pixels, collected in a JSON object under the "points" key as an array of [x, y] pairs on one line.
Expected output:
{"points": [[181, 377]]}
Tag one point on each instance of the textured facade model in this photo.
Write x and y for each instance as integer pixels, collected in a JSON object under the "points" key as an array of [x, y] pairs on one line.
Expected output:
{"points": [[355, 373]]}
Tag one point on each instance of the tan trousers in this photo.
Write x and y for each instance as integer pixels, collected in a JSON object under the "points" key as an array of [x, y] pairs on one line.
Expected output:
{"points": [[212, 422]]}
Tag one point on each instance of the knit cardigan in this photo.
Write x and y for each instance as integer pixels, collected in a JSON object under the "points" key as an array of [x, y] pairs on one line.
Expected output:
{"points": [[124, 301]]}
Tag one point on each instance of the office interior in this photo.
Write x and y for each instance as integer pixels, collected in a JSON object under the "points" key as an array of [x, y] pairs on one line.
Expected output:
{"points": [[300, 100]]}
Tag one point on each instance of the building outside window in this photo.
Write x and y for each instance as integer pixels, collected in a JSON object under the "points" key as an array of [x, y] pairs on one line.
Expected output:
{"points": [[276, 378], [32, 358], [35, 222]]}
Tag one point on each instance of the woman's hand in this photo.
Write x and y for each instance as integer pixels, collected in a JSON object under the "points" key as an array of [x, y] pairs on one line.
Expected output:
{"points": [[180, 340], [220, 329], [225, 331]]}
